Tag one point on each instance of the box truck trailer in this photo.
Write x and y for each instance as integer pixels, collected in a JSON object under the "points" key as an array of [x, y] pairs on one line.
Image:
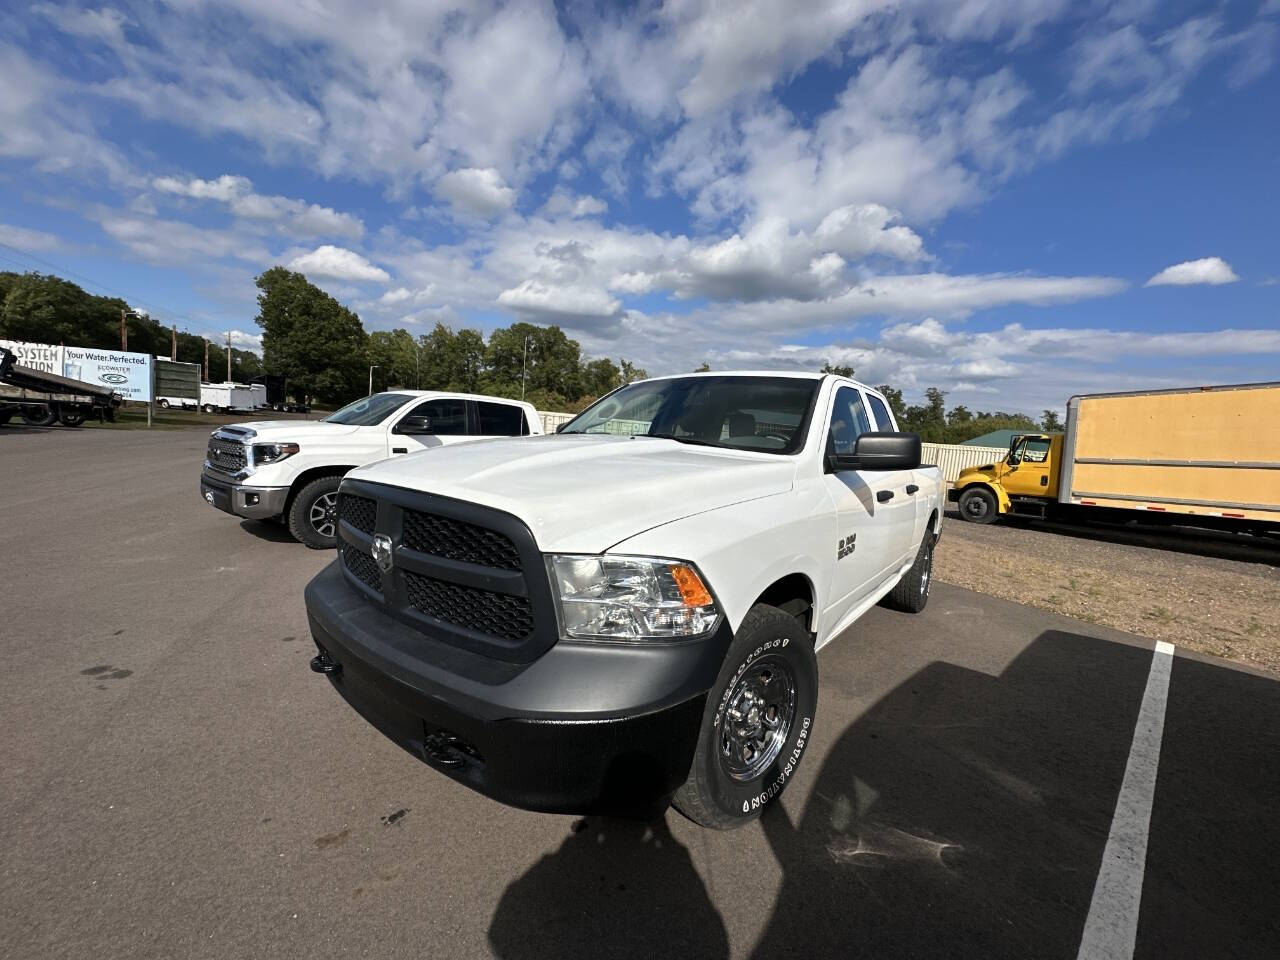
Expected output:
{"points": [[1198, 456]]}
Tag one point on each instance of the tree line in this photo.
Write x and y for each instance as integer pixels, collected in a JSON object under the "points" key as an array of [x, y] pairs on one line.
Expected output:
{"points": [[322, 349]]}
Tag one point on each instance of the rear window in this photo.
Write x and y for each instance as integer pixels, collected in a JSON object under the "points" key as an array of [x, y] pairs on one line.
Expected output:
{"points": [[880, 411], [500, 419]]}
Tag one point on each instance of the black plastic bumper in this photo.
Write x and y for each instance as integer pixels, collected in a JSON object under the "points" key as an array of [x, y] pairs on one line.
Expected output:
{"points": [[584, 728]]}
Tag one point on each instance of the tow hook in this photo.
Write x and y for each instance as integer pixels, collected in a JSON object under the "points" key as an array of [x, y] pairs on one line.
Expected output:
{"points": [[323, 663]]}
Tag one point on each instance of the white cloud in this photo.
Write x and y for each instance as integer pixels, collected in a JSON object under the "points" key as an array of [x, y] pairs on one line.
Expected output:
{"points": [[536, 297], [477, 193], [26, 239], [564, 202], [243, 340], [296, 217], [339, 263], [1208, 270]]}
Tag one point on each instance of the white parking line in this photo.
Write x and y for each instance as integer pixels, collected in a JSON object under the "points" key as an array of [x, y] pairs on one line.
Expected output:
{"points": [[1111, 929]]}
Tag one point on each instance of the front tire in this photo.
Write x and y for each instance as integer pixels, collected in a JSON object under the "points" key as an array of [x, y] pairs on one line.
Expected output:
{"points": [[163, 404], [313, 516], [979, 505], [756, 724], [34, 416]]}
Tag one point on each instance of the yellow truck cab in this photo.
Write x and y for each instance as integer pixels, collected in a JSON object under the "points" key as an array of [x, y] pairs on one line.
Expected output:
{"points": [[1025, 481]]}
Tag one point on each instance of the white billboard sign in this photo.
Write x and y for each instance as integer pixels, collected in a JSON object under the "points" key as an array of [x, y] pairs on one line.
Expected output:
{"points": [[128, 374], [38, 356]]}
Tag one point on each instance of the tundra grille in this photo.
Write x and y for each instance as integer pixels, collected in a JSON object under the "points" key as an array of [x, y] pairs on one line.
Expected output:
{"points": [[362, 567], [461, 574], [360, 512], [456, 540], [495, 614], [226, 455]]}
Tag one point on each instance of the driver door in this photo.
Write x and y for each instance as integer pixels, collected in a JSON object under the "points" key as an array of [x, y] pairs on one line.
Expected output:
{"points": [[1030, 478], [445, 420]]}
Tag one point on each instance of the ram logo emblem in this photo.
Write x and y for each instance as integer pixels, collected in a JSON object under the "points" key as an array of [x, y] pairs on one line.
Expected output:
{"points": [[382, 552], [846, 546]]}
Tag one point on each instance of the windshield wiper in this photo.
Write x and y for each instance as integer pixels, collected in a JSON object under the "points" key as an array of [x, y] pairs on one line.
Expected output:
{"points": [[671, 436]]}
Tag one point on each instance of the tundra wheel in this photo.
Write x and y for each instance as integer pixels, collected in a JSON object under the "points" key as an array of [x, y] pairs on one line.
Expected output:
{"points": [[756, 724], [313, 517], [978, 505]]}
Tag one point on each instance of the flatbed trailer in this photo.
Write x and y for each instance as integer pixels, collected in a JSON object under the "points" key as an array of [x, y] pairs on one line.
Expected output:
{"points": [[43, 399]]}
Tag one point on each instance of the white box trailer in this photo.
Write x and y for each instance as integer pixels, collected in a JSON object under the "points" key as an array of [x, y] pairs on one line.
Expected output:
{"points": [[226, 397]]}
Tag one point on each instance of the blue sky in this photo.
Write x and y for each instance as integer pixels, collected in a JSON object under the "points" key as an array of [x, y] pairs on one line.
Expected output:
{"points": [[1015, 200]]}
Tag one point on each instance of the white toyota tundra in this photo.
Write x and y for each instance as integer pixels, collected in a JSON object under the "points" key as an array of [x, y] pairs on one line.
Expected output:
{"points": [[290, 469], [627, 612]]}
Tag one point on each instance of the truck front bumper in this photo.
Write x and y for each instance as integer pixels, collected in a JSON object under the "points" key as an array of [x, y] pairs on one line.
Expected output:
{"points": [[242, 500], [584, 728]]}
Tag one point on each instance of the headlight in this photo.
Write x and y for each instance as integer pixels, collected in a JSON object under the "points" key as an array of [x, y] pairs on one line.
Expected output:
{"points": [[630, 598], [273, 452]]}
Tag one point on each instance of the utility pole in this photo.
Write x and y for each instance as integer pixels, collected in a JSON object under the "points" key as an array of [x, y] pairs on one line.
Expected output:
{"points": [[206, 359], [524, 367], [228, 356], [124, 330], [173, 343], [371, 369]]}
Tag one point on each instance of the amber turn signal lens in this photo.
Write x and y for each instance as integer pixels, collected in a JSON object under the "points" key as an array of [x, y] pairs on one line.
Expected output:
{"points": [[693, 591]]}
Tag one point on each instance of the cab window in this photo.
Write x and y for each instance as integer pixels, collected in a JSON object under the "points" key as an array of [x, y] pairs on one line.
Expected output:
{"points": [[849, 421], [1035, 451], [883, 420], [500, 419], [447, 416]]}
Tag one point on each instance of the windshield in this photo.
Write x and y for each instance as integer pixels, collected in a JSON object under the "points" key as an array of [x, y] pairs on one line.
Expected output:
{"points": [[370, 410], [742, 413]]}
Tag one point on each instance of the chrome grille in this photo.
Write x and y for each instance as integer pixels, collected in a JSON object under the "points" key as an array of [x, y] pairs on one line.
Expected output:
{"points": [[226, 455]]}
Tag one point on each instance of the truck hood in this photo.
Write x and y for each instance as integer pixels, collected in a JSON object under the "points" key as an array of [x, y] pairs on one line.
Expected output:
{"points": [[583, 494], [289, 431]]}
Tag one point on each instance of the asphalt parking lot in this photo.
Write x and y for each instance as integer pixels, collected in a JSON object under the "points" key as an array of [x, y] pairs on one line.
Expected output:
{"points": [[177, 783]]}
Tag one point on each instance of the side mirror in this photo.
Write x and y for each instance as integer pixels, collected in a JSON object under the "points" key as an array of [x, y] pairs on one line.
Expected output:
{"points": [[414, 425], [882, 450]]}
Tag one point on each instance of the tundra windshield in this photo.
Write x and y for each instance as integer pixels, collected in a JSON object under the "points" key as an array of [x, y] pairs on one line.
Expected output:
{"points": [[768, 414], [370, 410]]}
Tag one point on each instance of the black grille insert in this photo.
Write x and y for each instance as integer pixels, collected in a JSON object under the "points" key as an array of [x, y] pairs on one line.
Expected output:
{"points": [[495, 614], [360, 512], [458, 540], [361, 566]]}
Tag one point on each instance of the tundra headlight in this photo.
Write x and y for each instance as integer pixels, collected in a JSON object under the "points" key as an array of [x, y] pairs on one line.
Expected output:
{"points": [[630, 598], [272, 452]]}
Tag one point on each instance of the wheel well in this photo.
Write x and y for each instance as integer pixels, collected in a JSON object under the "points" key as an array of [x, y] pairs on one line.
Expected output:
{"points": [[792, 594], [315, 473]]}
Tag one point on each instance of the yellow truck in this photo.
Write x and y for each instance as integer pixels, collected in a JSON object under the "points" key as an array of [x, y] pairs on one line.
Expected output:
{"points": [[1199, 456]]}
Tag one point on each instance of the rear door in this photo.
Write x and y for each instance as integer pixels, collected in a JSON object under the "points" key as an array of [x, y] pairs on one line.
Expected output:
{"points": [[496, 419], [875, 518], [917, 487]]}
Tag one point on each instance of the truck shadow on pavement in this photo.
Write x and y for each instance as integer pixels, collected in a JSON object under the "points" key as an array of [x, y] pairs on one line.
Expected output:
{"points": [[963, 815], [268, 530]]}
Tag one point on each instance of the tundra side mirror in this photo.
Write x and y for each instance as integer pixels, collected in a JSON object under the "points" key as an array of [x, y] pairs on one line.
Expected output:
{"points": [[414, 425], [881, 450]]}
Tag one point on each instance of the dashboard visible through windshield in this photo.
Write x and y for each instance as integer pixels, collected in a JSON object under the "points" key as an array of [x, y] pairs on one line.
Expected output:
{"points": [[768, 414]]}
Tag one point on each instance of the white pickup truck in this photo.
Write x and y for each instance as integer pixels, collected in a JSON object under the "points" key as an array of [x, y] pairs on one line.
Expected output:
{"points": [[627, 612], [290, 469]]}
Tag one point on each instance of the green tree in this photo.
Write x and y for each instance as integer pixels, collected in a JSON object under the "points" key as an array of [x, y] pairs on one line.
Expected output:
{"points": [[310, 338], [703, 367], [599, 377], [840, 370], [395, 353], [896, 403], [631, 373], [1050, 422]]}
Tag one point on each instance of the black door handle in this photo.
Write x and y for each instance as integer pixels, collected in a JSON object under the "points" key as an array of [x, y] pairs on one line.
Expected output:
{"points": [[911, 488], [399, 449], [1044, 481], [884, 496]]}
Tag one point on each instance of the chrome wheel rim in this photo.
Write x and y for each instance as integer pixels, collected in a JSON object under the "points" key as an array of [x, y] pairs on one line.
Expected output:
{"points": [[324, 514], [757, 718]]}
